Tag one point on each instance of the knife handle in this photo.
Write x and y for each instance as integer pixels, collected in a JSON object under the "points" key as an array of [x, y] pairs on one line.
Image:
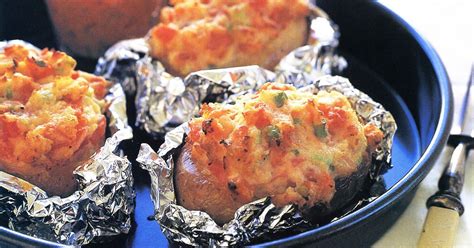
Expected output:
{"points": [[440, 228], [445, 207], [451, 182]]}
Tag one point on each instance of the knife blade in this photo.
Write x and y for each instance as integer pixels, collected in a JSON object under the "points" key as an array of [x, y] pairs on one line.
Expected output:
{"points": [[463, 126], [445, 206]]}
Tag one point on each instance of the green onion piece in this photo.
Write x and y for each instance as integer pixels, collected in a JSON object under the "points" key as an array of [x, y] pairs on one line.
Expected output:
{"points": [[320, 130], [280, 99], [40, 63], [273, 132]]}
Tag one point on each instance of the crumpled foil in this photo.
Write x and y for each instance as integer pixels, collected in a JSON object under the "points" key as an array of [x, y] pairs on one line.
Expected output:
{"points": [[103, 203], [260, 218], [164, 101], [319, 58]]}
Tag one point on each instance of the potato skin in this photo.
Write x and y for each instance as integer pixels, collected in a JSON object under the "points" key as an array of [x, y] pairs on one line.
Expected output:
{"points": [[199, 192], [196, 191], [346, 189]]}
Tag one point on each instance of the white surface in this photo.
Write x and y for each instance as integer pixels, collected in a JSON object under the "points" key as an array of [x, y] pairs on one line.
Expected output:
{"points": [[449, 27]]}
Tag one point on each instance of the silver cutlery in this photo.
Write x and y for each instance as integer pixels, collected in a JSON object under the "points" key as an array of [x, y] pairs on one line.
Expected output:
{"points": [[445, 206]]}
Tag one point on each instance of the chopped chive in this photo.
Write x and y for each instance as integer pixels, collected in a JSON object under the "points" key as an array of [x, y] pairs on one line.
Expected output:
{"points": [[280, 99], [320, 130], [40, 63], [273, 132]]}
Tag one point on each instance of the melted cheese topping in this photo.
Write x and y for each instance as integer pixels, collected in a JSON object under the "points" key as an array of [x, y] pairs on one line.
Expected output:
{"points": [[205, 34], [47, 109], [281, 143]]}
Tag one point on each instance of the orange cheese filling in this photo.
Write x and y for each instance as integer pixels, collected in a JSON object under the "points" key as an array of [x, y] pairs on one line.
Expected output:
{"points": [[282, 143], [47, 109]]}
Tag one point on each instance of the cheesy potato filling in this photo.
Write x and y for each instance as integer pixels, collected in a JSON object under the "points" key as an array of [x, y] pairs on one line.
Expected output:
{"points": [[282, 143], [47, 109], [204, 34]]}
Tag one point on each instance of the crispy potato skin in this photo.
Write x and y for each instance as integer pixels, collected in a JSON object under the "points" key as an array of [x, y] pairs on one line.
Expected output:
{"points": [[200, 192], [292, 146], [195, 35], [51, 117]]}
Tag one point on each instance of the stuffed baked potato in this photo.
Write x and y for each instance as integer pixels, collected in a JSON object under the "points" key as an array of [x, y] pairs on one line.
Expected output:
{"points": [[201, 34], [310, 150], [51, 117]]}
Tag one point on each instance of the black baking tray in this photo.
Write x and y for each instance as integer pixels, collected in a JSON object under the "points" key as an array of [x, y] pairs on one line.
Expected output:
{"points": [[387, 59]]}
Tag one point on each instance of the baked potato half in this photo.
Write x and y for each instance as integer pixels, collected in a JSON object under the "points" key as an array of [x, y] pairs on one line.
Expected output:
{"points": [[195, 35], [51, 117], [295, 147]]}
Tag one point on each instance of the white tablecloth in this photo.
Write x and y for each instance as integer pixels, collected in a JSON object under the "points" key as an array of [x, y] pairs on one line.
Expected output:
{"points": [[449, 27]]}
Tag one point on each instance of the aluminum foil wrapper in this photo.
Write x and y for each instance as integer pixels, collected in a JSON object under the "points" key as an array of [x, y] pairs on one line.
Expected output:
{"points": [[164, 101], [318, 58], [103, 203], [261, 218]]}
